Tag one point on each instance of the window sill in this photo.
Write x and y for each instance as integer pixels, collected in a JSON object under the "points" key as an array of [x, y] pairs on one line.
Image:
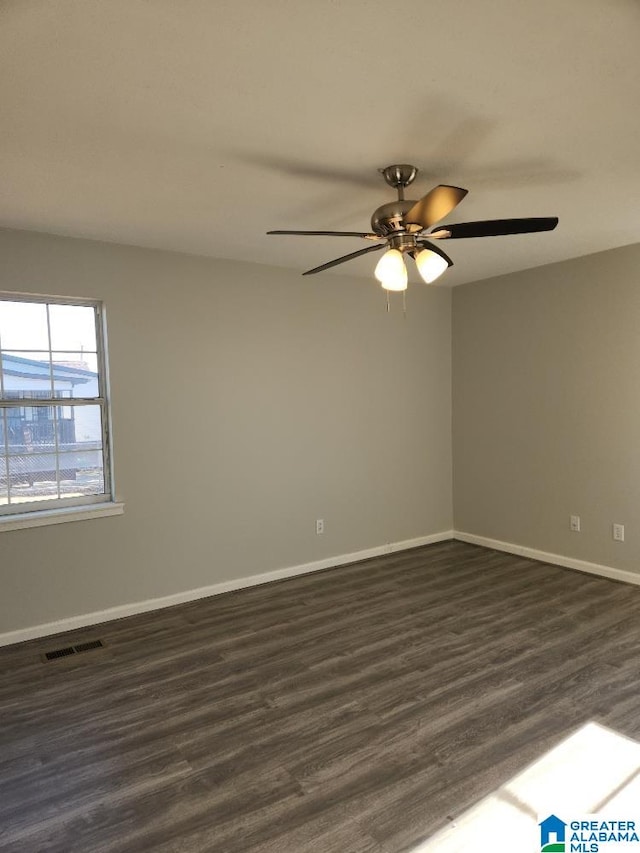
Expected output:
{"points": [[60, 515]]}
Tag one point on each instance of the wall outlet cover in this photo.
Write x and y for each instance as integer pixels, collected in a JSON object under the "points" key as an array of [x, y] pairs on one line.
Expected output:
{"points": [[618, 532]]}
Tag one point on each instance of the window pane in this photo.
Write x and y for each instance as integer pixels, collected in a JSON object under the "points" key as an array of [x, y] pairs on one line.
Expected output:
{"points": [[73, 327], [30, 429], [79, 428], [81, 455], [4, 492], [81, 473], [26, 469], [26, 374], [75, 374], [23, 325]]}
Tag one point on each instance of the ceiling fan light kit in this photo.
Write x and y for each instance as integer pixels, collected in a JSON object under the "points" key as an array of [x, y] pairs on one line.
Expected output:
{"points": [[391, 271], [430, 265], [402, 227]]}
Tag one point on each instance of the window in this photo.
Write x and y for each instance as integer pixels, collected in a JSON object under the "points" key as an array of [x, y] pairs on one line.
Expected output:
{"points": [[54, 437]]}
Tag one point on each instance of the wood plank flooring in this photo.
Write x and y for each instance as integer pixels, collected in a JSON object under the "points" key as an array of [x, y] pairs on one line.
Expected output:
{"points": [[355, 710]]}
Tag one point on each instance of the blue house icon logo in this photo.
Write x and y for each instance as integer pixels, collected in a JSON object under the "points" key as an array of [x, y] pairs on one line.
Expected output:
{"points": [[552, 831]]}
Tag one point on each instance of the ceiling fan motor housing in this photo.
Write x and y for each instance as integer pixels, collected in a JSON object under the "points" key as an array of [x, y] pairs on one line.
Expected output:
{"points": [[389, 218]]}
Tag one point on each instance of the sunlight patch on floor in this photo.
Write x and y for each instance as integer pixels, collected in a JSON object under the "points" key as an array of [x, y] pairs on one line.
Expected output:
{"points": [[594, 771]]}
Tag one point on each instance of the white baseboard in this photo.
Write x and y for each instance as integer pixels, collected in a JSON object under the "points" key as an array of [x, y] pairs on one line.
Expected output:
{"points": [[99, 616], [545, 557]]}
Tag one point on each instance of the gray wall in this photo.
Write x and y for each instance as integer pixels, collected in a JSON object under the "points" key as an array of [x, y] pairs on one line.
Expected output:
{"points": [[546, 407], [247, 402]]}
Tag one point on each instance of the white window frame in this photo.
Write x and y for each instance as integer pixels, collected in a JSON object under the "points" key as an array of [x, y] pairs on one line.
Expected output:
{"points": [[61, 509]]}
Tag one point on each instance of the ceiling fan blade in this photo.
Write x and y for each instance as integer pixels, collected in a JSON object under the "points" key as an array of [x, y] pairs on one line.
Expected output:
{"points": [[344, 258], [367, 236], [425, 244], [435, 205], [495, 227]]}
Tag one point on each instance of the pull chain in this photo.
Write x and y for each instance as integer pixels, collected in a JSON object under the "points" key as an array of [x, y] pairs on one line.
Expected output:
{"points": [[404, 303]]}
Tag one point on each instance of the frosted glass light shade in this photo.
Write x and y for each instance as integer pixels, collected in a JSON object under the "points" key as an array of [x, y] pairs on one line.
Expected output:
{"points": [[430, 265], [391, 271]]}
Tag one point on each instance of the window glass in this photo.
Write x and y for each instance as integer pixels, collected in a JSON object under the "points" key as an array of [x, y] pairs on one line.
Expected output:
{"points": [[73, 328], [23, 325]]}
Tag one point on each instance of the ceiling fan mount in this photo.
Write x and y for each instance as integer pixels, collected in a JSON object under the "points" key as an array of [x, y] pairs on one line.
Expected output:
{"points": [[399, 176], [402, 226]]}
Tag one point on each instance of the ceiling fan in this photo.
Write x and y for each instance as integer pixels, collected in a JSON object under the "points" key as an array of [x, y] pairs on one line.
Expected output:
{"points": [[402, 227]]}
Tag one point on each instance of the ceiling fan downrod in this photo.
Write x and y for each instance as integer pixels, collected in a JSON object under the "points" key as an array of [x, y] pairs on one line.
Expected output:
{"points": [[389, 218]]}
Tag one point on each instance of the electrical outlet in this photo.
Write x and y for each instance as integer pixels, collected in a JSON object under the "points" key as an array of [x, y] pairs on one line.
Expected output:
{"points": [[575, 523], [319, 526], [618, 532]]}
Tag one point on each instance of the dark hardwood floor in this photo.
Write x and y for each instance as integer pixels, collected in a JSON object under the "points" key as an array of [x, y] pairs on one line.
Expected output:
{"points": [[355, 710]]}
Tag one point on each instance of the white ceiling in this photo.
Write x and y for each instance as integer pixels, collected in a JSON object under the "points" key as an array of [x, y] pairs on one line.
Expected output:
{"points": [[198, 125]]}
